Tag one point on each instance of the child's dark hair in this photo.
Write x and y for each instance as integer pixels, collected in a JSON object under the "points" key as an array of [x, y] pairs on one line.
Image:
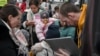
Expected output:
{"points": [[56, 8], [34, 2]]}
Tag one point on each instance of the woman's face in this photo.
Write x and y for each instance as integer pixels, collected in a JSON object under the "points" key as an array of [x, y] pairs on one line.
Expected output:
{"points": [[15, 21], [34, 8]]}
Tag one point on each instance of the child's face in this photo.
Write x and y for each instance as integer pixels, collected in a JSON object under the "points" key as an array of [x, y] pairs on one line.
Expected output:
{"points": [[34, 8], [57, 10], [45, 20]]}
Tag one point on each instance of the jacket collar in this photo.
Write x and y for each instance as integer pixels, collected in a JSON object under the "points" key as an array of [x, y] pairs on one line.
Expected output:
{"points": [[3, 23]]}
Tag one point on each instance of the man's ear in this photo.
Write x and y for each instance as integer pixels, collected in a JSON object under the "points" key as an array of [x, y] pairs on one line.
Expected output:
{"points": [[10, 17]]}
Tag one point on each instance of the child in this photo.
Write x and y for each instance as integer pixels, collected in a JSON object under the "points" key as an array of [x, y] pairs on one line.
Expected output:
{"points": [[56, 12], [42, 27], [65, 30]]}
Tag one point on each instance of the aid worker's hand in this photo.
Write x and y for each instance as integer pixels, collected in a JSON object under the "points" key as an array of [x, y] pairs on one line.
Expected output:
{"points": [[62, 52]]}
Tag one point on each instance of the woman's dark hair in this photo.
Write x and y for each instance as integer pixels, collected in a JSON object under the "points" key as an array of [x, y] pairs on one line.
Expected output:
{"points": [[7, 10], [34, 2], [0, 7], [68, 7]]}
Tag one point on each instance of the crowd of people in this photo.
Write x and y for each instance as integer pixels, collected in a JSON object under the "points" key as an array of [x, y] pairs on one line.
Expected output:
{"points": [[25, 29]]}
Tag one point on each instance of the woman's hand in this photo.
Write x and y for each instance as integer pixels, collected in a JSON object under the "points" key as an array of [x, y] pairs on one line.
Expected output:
{"points": [[29, 23]]}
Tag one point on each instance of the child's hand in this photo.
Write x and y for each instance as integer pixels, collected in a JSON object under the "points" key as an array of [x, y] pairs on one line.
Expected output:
{"points": [[37, 47]]}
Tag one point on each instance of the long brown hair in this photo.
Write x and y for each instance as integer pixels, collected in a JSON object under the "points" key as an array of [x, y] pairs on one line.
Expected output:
{"points": [[7, 10]]}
